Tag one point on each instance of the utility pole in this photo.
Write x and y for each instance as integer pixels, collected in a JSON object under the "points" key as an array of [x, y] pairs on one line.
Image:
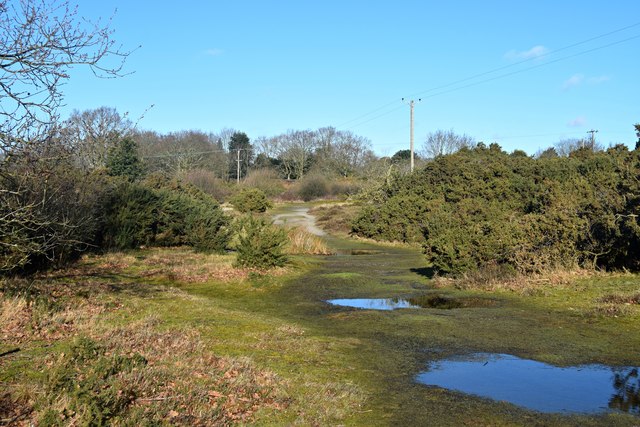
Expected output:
{"points": [[593, 137], [238, 172], [411, 105]]}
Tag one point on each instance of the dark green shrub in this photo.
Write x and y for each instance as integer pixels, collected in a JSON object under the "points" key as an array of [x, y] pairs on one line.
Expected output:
{"points": [[482, 209], [131, 217], [250, 200], [89, 383], [164, 213], [123, 160], [260, 244]]}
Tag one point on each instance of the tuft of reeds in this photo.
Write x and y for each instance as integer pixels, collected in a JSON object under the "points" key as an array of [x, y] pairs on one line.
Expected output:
{"points": [[301, 242]]}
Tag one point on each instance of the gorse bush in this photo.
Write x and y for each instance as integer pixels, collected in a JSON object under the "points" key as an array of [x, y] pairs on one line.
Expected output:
{"points": [[250, 200], [483, 207], [260, 243], [92, 386], [164, 213]]}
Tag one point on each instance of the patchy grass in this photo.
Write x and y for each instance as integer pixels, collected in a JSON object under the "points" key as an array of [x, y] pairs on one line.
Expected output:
{"points": [[113, 340], [189, 340]]}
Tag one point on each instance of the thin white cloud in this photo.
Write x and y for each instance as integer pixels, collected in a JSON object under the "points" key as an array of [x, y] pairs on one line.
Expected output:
{"points": [[598, 80], [535, 52], [580, 79], [577, 122], [214, 52], [573, 81]]}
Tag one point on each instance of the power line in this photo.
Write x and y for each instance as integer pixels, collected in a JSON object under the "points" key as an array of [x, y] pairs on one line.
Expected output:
{"points": [[475, 76], [535, 58], [564, 58], [501, 76], [183, 153]]}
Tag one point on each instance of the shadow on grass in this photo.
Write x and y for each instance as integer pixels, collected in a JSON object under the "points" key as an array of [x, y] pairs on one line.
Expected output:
{"points": [[427, 272], [78, 285]]}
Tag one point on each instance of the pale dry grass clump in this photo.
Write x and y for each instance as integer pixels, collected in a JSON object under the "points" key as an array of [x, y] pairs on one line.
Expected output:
{"points": [[610, 310], [187, 266], [301, 242], [47, 315], [616, 304], [492, 280]]}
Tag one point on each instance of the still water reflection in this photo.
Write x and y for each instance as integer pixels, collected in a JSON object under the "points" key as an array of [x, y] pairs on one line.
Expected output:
{"points": [[374, 303], [421, 301], [538, 386]]}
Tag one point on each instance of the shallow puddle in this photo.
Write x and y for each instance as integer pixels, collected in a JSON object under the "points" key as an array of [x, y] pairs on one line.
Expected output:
{"points": [[423, 301], [539, 386], [373, 303]]}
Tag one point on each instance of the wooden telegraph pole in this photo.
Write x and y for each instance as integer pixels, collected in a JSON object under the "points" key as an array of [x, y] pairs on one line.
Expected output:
{"points": [[411, 105]]}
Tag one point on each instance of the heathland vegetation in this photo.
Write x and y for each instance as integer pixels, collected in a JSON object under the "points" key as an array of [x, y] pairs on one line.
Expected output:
{"points": [[142, 281], [482, 209]]}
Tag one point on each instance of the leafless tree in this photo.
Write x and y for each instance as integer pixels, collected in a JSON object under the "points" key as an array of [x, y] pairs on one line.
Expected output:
{"points": [[42, 212], [443, 142], [341, 152], [40, 42], [564, 147], [93, 133], [296, 148], [179, 152]]}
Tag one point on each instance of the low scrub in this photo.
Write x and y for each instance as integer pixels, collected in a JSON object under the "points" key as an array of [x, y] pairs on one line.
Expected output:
{"points": [[265, 180], [335, 218], [483, 209], [97, 373], [313, 187], [250, 200], [164, 213], [208, 182], [260, 244]]}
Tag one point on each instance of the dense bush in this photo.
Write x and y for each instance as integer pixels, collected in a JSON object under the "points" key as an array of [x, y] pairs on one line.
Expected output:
{"points": [[164, 213], [482, 207], [313, 187], [48, 210], [260, 244], [250, 200]]}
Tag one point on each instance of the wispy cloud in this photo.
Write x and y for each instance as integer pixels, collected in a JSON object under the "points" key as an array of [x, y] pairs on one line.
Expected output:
{"points": [[573, 81], [535, 52], [580, 79], [214, 52], [598, 80], [577, 122]]}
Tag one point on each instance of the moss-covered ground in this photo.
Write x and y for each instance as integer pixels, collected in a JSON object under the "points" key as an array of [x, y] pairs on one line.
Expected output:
{"points": [[284, 356]]}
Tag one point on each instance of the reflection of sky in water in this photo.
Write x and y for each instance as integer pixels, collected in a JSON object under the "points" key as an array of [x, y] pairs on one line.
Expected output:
{"points": [[538, 386], [374, 303]]}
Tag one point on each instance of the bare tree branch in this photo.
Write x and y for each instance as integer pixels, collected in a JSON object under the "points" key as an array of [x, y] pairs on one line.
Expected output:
{"points": [[40, 42]]}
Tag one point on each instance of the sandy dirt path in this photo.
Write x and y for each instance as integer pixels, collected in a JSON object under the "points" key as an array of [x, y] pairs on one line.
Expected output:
{"points": [[299, 217]]}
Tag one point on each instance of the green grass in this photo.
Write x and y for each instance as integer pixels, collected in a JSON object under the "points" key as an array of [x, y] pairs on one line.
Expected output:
{"points": [[318, 364]]}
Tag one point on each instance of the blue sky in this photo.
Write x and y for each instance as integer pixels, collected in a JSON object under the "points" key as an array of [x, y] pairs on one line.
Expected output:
{"points": [[264, 67]]}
